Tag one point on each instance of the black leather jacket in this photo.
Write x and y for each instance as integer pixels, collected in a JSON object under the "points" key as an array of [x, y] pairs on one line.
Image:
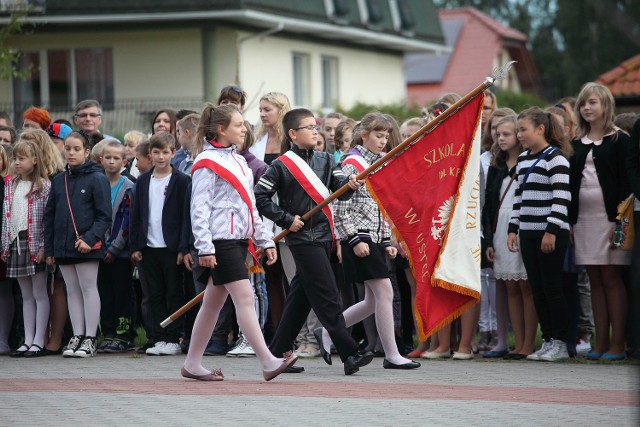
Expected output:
{"points": [[294, 200]]}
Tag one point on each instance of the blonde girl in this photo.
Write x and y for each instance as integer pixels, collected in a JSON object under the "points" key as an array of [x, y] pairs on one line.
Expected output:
{"points": [[25, 198], [52, 162], [270, 134], [598, 184], [508, 267]]}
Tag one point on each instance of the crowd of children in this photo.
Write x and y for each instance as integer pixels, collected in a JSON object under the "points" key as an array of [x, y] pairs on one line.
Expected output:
{"points": [[121, 234]]}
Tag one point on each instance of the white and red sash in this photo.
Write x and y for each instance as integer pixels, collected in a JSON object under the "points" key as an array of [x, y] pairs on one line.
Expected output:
{"points": [[233, 174], [309, 181], [357, 162]]}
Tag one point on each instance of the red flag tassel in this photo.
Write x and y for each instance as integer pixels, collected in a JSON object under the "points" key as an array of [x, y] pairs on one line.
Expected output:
{"points": [[254, 266]]}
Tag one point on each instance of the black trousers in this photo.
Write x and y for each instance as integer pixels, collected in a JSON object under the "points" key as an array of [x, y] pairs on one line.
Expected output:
{"points": [[164, 294], [115, 286], [545, 275], [313, 286]]}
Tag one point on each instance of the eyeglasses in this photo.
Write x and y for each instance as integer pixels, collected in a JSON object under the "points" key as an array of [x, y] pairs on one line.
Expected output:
{"points": [[310, 127], [85, 115]]}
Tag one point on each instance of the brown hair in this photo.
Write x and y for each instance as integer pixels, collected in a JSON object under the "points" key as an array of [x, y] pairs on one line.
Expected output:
{"points": [[12, 133], [553, 132], [345, 125], [162, 140], [172, 118], [566, 118], [371, 122], [235, 94], [144, 148], [487, 142], [249, 137], [211, 118], [499, 157]]}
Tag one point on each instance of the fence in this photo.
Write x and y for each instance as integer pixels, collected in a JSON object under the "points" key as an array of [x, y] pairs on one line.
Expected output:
{"points": [[118, 117]]}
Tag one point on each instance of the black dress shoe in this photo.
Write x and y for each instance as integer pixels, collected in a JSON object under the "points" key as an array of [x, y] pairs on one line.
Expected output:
{"points": [[356, 361], [291, 369], [410, 365], [19, 352], [326, 355], [35, 353]]}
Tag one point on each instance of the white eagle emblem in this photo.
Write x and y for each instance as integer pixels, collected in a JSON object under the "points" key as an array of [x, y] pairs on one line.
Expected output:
{"points": [[439, 225]]}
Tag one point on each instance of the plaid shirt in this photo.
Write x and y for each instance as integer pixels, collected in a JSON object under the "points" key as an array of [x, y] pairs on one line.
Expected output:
{"points": [[359, 216], [35, 227]]}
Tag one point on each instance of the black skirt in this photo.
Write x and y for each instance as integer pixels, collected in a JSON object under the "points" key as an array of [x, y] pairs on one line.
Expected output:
{"points": [[231, 256], [358, 269]]}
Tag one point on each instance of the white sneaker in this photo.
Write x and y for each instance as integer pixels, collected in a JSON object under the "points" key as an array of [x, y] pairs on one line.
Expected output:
{"points": [[558, 351], [546, 345], [582, 346], [87, 348], [242, 349], [155, 350], [170, 349], [74, 344]]}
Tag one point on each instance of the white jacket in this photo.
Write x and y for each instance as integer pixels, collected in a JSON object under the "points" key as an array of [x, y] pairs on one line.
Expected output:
{"points": [[217, 210]]}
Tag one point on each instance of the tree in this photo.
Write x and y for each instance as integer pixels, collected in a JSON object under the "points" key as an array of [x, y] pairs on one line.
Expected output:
{"points": [[9, 56]]}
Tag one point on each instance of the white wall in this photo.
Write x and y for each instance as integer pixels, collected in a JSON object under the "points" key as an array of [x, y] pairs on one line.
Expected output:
{"points": [[364, 76]]}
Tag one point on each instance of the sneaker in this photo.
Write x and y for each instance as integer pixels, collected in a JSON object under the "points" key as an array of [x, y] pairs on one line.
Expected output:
{"points": [[170, 349], [74, 344], [582, 346], [546, 345], [116, 346], [242, 349], [558, 351], [155, 350], [87, 348], [103, 345]]}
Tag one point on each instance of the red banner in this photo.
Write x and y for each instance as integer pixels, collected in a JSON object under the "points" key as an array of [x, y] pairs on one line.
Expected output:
{"points": [[432, 182]]}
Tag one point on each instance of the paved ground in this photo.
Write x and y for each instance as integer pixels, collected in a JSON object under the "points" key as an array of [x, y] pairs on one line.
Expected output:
{"points": [[139, 390]]}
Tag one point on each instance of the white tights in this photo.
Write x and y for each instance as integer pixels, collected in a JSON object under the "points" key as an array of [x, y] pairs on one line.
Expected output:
{"points": [[214, 298], [82, 296], [378, 299], [35, 308]]}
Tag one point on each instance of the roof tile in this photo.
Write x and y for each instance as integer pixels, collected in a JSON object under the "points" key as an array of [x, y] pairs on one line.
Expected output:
{"points": [[623, 80]]}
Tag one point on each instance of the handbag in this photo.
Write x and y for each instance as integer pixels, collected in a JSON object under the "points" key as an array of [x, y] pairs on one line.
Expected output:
{"points": [[96, 245], [624, 235]]}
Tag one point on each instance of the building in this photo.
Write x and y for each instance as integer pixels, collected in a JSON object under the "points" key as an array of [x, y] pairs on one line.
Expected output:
{"points": [[479, 44], [624, 83], [136, 56]]}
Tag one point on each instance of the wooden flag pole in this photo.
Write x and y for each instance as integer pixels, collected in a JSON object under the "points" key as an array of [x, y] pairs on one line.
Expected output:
{"points": [[498, 73]]}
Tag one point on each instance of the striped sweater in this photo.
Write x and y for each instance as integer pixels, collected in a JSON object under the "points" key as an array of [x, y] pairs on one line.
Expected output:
{"points": [[542, 203]]}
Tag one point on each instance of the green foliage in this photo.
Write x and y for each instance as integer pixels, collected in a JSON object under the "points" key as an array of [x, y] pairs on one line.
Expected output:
{"points": [[519, 101], [9, 56], [399, 111]]}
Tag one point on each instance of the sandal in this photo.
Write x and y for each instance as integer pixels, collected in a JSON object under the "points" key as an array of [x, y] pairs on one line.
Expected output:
{"points": [[18, 352], [35, 353]]}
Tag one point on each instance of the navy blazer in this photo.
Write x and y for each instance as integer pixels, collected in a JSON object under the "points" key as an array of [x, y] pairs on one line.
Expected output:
{"points": [[173, 213]]}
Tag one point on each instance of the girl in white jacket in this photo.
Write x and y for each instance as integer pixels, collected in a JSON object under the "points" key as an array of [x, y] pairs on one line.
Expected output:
{"points": [[225, 224]]}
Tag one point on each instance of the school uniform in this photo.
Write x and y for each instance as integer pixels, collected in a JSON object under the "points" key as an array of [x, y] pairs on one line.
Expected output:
{"points": [[156, 222], [313, 285]]}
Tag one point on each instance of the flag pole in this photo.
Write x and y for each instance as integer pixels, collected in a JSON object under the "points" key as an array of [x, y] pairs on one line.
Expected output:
{"points": [[498, 73]]}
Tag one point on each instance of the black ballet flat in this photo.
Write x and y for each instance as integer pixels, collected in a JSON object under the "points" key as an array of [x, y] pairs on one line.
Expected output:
{"points": [[326, 355], [411, 365], [35, 353], [18, 352]]}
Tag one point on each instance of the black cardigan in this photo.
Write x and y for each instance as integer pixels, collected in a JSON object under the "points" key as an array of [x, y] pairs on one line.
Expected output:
{"points": [[495, 176], [609, 159], [633, 160]]}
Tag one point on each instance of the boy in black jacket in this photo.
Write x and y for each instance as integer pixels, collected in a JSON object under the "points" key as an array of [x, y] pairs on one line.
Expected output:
{"points": [[156, 222], [298, 177]]}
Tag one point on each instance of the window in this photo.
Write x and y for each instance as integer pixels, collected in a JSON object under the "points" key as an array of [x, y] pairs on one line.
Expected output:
{"points": [[301, 80], [63, 77], [329, 82]]}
